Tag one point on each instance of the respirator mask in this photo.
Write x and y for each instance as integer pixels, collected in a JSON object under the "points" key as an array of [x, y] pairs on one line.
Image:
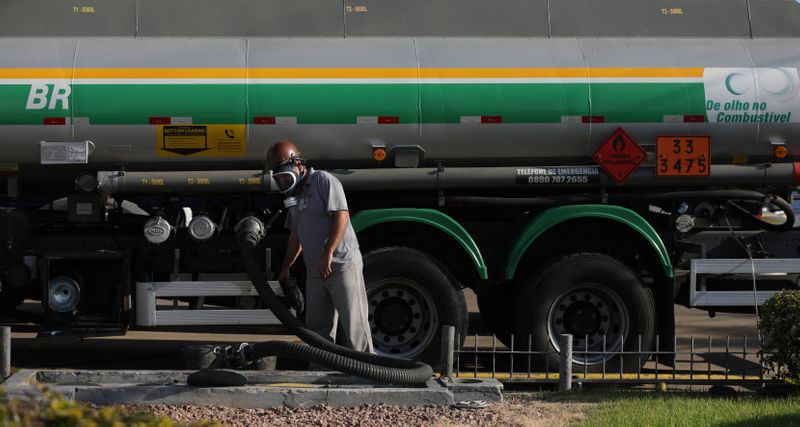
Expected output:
{"points": [[285, 177]]}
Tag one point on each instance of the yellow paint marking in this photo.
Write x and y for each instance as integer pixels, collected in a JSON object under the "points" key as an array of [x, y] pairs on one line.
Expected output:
{"points": [[344, 73], [612, 377], [35, 73], [295, 385]]}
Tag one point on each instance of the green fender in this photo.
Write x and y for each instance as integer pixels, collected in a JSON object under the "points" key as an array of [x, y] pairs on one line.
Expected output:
{"points": [[431, 217], [555, 216]]}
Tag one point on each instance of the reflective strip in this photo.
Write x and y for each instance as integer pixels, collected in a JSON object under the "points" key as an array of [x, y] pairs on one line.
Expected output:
{"points": [[273, 120], [159, 120], [180, 120], [571, 120], [593, 119], [285, 120], [481, 119], [264, 120], [796, 168], [55, 121], [388, 120], [684, 119], [694, 119], [80, 121]]}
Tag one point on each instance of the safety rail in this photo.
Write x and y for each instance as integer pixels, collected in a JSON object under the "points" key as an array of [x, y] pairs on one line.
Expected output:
{"points": [[148, 314], [691, 361]]}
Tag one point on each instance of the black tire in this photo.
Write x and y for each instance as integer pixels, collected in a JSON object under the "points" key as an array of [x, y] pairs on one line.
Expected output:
{"points": [[410, 299], [594, 297]]}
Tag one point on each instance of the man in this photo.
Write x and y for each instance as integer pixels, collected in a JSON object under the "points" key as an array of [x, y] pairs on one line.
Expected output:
{"points": [[320, 228]]}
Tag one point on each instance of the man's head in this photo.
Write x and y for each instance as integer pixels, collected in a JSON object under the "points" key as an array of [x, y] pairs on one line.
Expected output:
{"points": [[283, 159]]}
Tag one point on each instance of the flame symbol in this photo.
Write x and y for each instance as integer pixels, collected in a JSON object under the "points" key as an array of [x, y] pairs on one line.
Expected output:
{"points": [[619, 144]]}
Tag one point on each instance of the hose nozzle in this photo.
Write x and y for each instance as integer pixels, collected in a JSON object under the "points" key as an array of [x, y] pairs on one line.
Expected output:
{"points": [[250, 230]]}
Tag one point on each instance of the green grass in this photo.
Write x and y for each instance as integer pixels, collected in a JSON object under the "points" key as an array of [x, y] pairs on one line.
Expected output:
{"points": [[689, 409]]}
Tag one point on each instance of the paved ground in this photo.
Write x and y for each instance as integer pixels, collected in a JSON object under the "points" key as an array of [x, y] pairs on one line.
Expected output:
{"points": [[158, 348]]}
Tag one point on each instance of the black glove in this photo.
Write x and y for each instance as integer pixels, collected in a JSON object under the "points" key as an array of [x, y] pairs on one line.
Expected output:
{"points": [[292, 297]]}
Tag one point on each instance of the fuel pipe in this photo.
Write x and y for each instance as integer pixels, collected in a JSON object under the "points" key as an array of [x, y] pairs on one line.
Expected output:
{"points": [[384, 369]]}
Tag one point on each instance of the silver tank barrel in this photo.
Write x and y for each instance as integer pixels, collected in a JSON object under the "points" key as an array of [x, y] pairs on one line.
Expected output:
{"points": [[457, 178]]}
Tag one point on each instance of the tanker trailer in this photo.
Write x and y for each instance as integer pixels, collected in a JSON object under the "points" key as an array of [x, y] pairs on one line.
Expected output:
{"points": [[578, 183]]}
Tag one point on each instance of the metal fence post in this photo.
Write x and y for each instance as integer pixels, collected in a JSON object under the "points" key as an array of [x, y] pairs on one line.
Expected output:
{"points": [[448, 346], [5, 352], [565, 369]]}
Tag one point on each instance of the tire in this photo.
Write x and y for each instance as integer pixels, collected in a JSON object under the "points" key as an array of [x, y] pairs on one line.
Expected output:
{"points": [[594, 297], [410, 299]]}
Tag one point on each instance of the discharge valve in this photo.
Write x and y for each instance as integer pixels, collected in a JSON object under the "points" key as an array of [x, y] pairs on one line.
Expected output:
{"points": [[157, 230], [202, 228]]}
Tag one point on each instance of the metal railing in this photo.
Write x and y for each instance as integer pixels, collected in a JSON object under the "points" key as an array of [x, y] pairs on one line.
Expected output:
{"points": [[693, 361]]}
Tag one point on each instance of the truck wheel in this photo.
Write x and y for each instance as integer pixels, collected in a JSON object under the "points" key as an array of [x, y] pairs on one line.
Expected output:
{"points": [[410, 299], [599, 301]]}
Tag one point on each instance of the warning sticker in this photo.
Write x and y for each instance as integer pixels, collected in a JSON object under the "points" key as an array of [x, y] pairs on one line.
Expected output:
{"points": [[201, 140], [9, 167], [620, 156]]}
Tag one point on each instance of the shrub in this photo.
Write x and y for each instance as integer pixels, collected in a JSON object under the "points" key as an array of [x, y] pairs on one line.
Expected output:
{"points": [[54, 410], [779, 324]]}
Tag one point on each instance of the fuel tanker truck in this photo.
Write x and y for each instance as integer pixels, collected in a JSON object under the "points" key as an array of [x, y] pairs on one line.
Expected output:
{"points": [[580, 165]]}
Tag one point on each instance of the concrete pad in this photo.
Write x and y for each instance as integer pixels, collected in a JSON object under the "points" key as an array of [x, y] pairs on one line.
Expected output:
{"points": [[263, 389]]}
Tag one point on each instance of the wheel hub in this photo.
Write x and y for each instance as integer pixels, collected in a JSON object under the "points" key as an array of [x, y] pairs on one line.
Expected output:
{"points": [[393, 315], [582, 318], [401, 316], [596, 318]]}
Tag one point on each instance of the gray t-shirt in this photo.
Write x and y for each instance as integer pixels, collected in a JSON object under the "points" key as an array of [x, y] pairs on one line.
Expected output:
{"points": [[312, 219]]}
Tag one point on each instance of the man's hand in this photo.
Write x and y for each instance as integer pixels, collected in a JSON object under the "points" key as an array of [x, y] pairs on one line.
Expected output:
{"points": [[339, 222], [324, 266], [292, 296]]}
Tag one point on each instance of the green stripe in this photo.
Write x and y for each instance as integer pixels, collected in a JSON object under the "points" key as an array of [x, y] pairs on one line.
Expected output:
{"points": [[646, 102], [343, 103], [517, 103], [335, 104], [135, 104]]}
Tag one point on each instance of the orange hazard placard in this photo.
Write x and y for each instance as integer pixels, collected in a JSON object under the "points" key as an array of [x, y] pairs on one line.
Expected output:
{"points": [[680, 155]]}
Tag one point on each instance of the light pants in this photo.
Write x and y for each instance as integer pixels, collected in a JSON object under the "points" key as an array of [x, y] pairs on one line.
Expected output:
{"points": [[341, 296]]}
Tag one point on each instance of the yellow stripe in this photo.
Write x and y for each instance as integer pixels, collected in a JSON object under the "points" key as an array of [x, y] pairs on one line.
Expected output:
{"points": [[344, 73], [612, 377], [35, 73]]}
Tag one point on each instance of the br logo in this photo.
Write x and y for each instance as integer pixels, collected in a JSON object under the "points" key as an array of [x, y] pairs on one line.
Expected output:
{"points": [[41, 96], [776, 84]]}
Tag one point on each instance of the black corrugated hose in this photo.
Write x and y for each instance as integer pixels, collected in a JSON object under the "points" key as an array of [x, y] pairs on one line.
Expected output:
{"points": [[321, 351]]}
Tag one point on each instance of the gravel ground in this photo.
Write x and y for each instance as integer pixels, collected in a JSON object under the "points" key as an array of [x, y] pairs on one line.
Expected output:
{"points": [[518, 409]]}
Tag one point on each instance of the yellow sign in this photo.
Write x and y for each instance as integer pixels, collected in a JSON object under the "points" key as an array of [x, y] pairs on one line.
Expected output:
{"points": [[9, 167], [201, 140]]}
